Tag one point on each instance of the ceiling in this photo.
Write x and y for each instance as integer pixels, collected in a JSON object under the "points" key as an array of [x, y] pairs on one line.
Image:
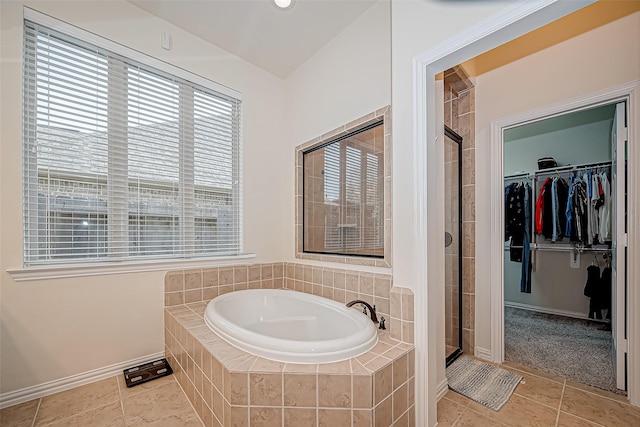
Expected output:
{"points": [[275, 40]]}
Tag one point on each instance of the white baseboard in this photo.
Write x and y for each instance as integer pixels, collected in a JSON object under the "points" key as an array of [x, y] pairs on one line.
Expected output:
{"points": [[566, 313], [483, 353], [29, 393], [443, 387]]}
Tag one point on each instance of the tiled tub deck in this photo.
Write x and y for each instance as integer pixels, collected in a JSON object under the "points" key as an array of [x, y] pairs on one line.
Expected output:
{"points": [[231, 388]]}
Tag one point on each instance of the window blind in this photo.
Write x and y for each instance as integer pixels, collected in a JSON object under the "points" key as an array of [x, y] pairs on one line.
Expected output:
{"points": [[122, 160]]}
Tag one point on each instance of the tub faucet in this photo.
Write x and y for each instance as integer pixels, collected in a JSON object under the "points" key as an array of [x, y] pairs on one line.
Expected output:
{"points": [[372, 310]]}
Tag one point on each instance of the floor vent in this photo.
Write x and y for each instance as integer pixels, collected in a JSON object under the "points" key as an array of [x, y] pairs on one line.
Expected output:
{"points": [[147, 372]]}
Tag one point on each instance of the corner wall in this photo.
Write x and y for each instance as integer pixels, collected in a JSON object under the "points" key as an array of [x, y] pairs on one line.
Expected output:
{"points": [[53, 329]]}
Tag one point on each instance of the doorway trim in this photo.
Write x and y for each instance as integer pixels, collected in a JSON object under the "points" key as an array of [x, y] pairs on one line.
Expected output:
{"points": [[428, 243], [629, 92]]}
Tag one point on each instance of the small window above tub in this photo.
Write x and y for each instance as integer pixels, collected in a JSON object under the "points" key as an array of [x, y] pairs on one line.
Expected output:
{"points": [[343, 185]]}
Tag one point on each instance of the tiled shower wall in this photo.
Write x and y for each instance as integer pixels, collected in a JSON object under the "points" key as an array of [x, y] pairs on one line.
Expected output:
{"points": [[459, 112], [341, 285]]}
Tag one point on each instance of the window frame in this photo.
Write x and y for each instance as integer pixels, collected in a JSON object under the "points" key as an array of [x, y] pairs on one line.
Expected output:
{"points": [[384, 115], [132, 263]]}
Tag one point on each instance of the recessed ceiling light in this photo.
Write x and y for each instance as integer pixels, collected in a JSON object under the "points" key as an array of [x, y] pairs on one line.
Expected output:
{"points": [[283, 4]]}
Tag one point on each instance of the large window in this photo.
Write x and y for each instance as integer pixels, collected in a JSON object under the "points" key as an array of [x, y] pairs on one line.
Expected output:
{"points": [[122, 160]]}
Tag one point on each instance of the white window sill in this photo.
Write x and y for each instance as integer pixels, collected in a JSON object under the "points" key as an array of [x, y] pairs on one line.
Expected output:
{"points": [[67, 271]]}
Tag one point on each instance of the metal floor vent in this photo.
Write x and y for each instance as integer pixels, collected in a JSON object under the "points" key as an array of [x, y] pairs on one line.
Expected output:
{"points": [[147, 372]]}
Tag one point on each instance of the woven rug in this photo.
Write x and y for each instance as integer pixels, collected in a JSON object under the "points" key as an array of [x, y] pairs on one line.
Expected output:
{"points": [[486, 384]]}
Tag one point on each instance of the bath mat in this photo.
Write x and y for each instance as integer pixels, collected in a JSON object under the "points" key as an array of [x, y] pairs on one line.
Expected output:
{"points": [[486, 384]]}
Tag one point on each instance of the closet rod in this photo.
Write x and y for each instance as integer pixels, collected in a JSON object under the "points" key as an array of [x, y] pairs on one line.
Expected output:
{"points": [[557, 169], [558, 248], [518, 175], [570, 249], [572, 167]]}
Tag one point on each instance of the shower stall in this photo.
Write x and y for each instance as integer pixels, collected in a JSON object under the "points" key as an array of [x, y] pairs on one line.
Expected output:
{"points": [[453, 243]]}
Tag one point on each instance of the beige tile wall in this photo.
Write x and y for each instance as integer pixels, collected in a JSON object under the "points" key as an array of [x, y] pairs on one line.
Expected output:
{"points": [[229, 387], [460, 116], [204, 284]]}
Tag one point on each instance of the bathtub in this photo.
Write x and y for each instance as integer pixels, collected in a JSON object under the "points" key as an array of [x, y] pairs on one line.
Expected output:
{"points": [[289, 326]]}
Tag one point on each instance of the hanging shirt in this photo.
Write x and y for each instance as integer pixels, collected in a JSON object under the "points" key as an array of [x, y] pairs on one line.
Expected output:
{"points": [[554, 209], [595, 203], [588, 239], [604, 213], [547, 214], [559, 194], [579, 202], [514, 220], [539, 220], [569, 228], [525, 275]]}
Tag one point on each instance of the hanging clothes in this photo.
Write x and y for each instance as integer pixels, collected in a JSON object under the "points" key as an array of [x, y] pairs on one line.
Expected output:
{"points": [[595, 204], [547, 209], [554, 209], [514, 220], [593, 291], [525, 277], [604, 212], [579, 202], [539, 221], [554, 216], [568, 211], [592, 214]]}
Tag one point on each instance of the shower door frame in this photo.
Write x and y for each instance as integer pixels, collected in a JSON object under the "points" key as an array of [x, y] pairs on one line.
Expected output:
{"points": [[453, 135]]}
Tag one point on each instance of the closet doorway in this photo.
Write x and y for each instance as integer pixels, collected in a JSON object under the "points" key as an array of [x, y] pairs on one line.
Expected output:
{"points": [[565, 244], [453, 244]]}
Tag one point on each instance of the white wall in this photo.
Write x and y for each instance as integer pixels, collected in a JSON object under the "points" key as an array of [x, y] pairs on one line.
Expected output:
{"points": [[346, 79], [417, 25], [52, 329], [593, 61]]}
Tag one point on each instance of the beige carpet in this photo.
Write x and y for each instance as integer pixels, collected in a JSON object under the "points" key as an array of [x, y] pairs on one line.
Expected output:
{"points": [[576, 349]]}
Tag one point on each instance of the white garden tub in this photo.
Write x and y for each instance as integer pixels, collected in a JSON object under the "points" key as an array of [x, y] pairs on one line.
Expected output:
{"points": [[290, 326]]}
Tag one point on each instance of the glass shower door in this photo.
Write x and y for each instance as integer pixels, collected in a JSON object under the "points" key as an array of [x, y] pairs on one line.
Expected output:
{"points": [[453, 244]]}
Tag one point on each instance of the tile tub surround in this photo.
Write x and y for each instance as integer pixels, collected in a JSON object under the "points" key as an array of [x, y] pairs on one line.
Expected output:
{"points": [[338, 284], [204, 284], [229, 387]]}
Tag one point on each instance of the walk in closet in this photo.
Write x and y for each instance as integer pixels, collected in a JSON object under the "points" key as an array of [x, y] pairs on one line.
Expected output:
{"points": [[563, 267]]}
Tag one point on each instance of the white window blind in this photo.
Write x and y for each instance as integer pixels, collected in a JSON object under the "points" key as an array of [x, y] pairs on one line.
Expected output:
{"points": [[123, 161]]}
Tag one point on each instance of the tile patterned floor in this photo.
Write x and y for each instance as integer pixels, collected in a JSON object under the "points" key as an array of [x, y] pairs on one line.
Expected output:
{"points": [[542, 400], [107, 403]]}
